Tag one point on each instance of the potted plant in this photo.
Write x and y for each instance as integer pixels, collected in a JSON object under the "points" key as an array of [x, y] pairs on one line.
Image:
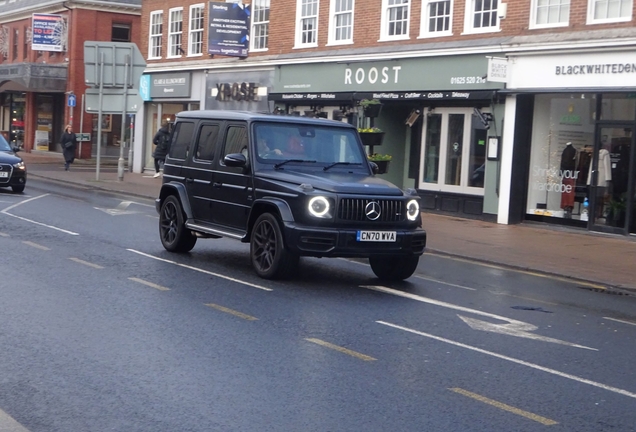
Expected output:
{"points": [[372, 136], [617, 207], [371, 107], [381, 160]]}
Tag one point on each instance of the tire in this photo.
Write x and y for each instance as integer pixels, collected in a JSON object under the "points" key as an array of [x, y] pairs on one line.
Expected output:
{"points": [[269, 257], [394, 268], [17, 189], [174, 235]]}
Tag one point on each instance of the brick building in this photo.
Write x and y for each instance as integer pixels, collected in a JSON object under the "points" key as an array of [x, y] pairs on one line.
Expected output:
{"points": [[42, 62], [479, 97]]}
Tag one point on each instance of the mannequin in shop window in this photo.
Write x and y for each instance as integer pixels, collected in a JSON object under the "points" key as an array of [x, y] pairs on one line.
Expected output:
{"points": [[603, 180], [568, 179]]}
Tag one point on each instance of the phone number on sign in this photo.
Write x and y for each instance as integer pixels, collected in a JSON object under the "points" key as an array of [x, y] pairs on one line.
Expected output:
{"points": [[467, 80]]}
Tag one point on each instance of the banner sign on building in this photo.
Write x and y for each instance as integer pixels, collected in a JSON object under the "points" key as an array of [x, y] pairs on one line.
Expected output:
{"points": [[170, 85], [229, 29], [49, 32], [497, 69]]}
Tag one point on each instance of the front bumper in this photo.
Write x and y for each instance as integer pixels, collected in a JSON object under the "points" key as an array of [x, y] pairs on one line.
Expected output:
{"points": [[326, 242]]}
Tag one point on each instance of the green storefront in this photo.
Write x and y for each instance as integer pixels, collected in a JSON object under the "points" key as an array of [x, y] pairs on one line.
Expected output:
{"points": [[439, 116]]}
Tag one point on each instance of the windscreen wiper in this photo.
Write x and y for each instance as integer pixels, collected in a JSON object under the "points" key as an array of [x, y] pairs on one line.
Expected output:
{"points": [[280, 164], [340, 163]]}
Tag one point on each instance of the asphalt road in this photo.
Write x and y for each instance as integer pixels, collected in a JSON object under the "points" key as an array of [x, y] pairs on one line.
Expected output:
{"points": [[104, 330]]}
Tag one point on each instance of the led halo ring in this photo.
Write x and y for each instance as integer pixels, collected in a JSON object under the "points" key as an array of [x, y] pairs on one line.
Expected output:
{"points": [[412, 210], [319, 206]]}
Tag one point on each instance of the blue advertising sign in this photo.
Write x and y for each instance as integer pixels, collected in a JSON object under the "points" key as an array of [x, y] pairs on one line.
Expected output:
{"points": [[49, 32], [144, 87], [229, 32]]}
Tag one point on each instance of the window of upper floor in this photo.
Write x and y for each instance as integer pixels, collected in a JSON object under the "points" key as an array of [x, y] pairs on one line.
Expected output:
{"points": [[195, 30], [481, 16], [25, 42], [395, 20], [175, 32], [609, 11], [16, 40], [341, 22], [437, 18], [260, 25], [120, 32], [155, 35], [549, 13], [306, 23]]}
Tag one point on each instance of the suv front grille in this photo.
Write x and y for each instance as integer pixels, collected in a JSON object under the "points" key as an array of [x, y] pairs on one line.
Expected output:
{"points": [[355, 209]]}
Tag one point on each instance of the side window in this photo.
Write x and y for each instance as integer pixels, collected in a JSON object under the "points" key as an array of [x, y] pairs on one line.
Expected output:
{"points": [[181, 139], [235, 140], [206, 142]]}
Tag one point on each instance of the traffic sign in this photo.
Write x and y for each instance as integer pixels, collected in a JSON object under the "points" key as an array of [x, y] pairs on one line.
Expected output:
{"points": [[109, 60], [83, 137], [72, 100]]}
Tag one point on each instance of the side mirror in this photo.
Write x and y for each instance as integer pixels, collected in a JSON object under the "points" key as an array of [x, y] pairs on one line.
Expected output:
{"points": [[374, 167], [235, 160]]}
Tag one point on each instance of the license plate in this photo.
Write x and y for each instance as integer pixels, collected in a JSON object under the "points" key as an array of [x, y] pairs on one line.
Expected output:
{"points": [[4, 174], [376, 236]]}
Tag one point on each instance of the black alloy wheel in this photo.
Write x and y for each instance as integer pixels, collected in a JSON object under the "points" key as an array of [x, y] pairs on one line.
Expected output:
{"points": [[269, 257], [175, 237], [394, 268]]}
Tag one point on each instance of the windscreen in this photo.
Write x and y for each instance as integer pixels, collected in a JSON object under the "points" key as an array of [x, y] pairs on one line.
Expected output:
{"points": [[322, 144], [4, 145]]}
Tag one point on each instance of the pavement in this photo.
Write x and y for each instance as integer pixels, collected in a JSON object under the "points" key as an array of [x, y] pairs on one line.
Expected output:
{"points": [[602, 261]]}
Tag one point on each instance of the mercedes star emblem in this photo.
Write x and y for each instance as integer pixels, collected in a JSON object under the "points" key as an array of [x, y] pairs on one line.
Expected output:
{"points": [[372, 210]]}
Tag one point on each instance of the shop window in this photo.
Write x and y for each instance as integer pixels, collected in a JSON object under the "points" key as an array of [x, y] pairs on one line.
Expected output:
{"points": [[195, 30], [156, 35], [618, 106], [436, 18], [605, 11], [307, 23], [395, 19], [454, 152], [481, 16], [558, 172], [549, 13], [175, 30], [341, 22], [120, 33], [260, 25]]}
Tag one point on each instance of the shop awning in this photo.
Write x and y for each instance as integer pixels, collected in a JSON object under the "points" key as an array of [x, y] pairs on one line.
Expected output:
{"points": [[35, 77]]}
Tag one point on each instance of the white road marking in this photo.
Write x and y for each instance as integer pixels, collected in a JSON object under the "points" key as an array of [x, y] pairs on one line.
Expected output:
{"points": [[445, 283], [202, 271], [150, 284], [8, 424], [620, 321], [121, 209], [513, 328], [86, 263], [6, 211], [37, 246], [514, 360]]}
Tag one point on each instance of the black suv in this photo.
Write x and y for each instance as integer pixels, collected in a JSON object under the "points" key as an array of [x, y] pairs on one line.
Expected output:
{"points": [[291, 187]]}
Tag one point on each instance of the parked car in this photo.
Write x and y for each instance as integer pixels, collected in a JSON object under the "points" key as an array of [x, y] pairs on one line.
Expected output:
{"points": [[13, 172], [291, 187]]}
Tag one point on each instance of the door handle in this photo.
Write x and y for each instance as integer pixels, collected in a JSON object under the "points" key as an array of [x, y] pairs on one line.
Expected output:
{"points": [[189, 180], [217, 184]]}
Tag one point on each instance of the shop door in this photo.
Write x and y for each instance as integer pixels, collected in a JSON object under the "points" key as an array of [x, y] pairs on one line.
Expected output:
{"points": [[609, 179]]}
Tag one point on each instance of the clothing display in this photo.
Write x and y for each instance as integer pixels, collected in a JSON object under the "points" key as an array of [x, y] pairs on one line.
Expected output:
{"points": [[604, 169]]}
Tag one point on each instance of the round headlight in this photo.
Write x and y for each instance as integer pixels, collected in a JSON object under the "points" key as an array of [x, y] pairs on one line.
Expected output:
{"points": [[412, 210], [19, 165], [319, 207]]}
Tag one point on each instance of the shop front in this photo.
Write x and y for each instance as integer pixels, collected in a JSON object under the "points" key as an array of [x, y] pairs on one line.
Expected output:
{"points": [[579, 156], [437, 116], [165, 94]]}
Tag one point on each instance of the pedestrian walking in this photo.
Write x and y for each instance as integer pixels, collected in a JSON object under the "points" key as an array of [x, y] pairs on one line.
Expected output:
{"points": [[162, 142], [69, 144]]}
